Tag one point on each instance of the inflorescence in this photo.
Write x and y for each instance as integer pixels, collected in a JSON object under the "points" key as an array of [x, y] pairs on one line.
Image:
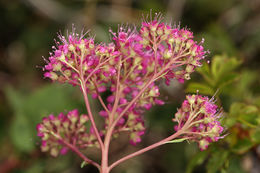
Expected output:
{"points": [[128, 69], [200, 118]]}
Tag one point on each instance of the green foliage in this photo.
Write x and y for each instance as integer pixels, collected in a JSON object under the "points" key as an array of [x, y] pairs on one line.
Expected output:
{"points": [[29, 109], [215, 76], [242, 119], [223, 43], [217, 160], [197, 159]]}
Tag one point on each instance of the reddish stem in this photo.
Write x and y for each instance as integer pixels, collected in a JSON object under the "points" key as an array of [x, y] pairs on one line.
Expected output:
{"points": [[175, 135], [104, 162], [83, 87], [75, 150]]}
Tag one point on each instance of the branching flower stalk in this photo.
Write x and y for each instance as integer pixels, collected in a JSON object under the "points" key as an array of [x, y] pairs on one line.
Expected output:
{"points": [[130, 70]]}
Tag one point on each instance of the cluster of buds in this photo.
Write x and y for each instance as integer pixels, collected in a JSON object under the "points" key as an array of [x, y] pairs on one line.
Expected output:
{"points": [[132, 123], [174, 50], [75, 59], [128, 69], [198, 117], [57, 132]]}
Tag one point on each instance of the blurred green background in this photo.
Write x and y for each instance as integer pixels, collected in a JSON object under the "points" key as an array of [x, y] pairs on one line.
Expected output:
{"points": [[231, 29]]}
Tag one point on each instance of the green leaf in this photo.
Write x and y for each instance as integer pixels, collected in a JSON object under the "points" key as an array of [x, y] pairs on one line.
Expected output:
{"points": [[216, 65], [30, 108], [235, 109], [21, 133], [246, 114], [204, 70], [198, 159], [49, 99], [217, 160], [15, 99], [249, 115], [83, 164], [242, 146], [202, 88], [222, 68], [255, 135], [223, 43], [176, 140], [227, 79], [257, 101], [235, 165]]}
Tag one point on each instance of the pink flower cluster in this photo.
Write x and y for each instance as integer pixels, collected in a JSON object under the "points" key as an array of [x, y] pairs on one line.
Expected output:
{"points": [[199, 117], [135, 59], [70, 128], [78, 57]]}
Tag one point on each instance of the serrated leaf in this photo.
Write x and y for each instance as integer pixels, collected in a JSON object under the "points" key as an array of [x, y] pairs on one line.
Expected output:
{"points": [[222, 65], [204, 70]]}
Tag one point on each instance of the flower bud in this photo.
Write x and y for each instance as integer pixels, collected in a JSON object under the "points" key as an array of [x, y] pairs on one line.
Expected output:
{"points": [[203, 144], [71, 47], [61, 58], [167, 54], [83, 119], [189, 43], [54, 152], [82, 45]]}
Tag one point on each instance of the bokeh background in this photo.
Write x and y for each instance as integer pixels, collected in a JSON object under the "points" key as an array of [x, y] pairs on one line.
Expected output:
{"points": [[231, 29]]}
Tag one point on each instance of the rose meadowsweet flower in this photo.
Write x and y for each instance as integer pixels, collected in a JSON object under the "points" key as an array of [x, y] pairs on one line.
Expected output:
{"points": [[199, 118], [174, 50], [157, 47], [124, 76], [127, 70], [70, 128], [76, 57]]}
